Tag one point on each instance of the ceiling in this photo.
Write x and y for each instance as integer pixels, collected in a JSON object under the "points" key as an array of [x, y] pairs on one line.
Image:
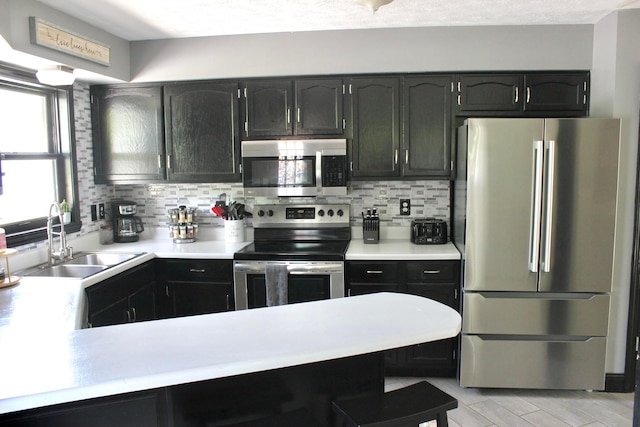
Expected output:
{"points": [[161, 19]]}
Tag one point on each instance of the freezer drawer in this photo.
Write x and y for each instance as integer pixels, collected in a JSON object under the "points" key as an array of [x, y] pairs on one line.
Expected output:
{"points": [[535, 314], [511, 363]]}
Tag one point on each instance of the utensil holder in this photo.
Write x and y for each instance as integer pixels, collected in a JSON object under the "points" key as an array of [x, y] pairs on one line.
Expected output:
{"points": [[371, 230], [234, 231]]}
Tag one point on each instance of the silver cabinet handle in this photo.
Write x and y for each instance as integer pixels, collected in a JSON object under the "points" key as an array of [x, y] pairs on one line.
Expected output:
{"points": [[197, 270], [396, 156], [517, 94], [548, 217], [536, 207], [528, 94], [406, 157], [298, 114], [159, 161], [128, 316], [135, 316], [375, 271], [288, 115], [168, 161], [431, 272]]}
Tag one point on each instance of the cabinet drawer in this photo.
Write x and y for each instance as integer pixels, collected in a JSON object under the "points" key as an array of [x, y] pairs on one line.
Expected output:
{"points": [[373, 272], [432, 271], [196, 270], [495, 362]]}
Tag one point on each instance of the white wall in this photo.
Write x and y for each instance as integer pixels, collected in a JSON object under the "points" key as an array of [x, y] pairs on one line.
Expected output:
{"points": [[365, 51], [615, 92]]}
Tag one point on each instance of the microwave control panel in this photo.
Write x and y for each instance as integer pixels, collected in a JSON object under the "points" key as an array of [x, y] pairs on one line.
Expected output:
{"points": [[334, 171]]}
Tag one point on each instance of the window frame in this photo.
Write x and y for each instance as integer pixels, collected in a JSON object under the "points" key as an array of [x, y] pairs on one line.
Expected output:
{"points": [[60, 104]]}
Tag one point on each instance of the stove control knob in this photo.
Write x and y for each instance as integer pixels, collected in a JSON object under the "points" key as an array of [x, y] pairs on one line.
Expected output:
{"points": [[340, 212], [330, 212], [270, 213], [321, 212], [260, 212]]}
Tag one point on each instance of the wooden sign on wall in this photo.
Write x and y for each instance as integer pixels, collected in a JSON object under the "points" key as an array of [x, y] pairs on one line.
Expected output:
{"points": [[51, 36]]}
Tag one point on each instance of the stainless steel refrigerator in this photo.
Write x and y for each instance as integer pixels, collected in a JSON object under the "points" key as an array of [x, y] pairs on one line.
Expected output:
{"points": [[534, 219]]}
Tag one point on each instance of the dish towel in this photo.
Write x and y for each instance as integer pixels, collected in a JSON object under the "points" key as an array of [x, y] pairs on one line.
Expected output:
{"points": [[276, 283]]}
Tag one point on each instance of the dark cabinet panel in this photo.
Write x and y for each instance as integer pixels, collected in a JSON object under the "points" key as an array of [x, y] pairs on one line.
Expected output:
{"points": [[375, 111], [191, 287], [489, 92], [128, 140], [319, 109], [426, 136], [438, 280], [556, 92], [126, 297], [202, 128], [268, 108]]}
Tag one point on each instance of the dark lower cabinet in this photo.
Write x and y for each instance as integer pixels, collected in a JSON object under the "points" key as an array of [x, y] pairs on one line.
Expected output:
{"points": [[437, 280], [192, 287], [124, 298], [132, 410]]}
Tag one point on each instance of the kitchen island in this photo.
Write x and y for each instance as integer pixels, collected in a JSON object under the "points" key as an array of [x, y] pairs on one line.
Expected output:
{"points": [[335, 337]]}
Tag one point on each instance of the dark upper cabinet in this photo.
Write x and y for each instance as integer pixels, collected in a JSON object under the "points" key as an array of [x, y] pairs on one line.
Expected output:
{"points": [[268, 106], [319, 107], [201, 128], [128, 138], [556, 92], [489, 93], [534, 94], [426, 126], [276, 108], [375, 114]]}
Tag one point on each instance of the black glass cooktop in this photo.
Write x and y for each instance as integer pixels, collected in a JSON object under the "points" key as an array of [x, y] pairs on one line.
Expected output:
{"points": [[288, 250]]}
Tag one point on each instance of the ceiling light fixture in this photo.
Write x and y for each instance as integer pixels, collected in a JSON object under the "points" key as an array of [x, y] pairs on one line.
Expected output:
{"points": [[58, 75], [374, 5]]}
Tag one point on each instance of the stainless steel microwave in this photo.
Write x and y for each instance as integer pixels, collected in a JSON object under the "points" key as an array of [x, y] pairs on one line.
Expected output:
{"points": [[291, 168]]}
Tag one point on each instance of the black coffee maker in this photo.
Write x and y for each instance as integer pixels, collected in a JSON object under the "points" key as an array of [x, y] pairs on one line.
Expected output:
{"points": [[126, 225]]}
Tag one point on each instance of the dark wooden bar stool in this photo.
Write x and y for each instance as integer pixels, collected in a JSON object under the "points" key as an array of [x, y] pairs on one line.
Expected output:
{"points": [[405, 407]]}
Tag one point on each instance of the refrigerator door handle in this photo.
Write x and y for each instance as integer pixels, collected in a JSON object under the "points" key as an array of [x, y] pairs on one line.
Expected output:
{"points": [[548, 216], [536, 207]]}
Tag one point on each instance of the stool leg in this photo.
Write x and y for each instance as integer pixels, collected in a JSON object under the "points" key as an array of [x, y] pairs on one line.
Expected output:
{"points": [[442, 420]]}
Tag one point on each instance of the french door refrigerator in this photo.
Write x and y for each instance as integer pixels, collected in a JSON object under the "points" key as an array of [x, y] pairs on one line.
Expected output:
{"points": [[534, 219]]}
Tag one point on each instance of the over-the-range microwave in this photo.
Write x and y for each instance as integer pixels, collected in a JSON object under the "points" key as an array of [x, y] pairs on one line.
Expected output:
{"points": [[292, 168]]}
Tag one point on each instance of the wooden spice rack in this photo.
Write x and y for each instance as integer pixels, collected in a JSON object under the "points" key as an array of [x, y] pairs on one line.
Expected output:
{"points": [[9, 279]]}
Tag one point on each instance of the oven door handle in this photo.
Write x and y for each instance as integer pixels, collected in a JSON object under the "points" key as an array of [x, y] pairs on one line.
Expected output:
{"points": [[291, 268]]}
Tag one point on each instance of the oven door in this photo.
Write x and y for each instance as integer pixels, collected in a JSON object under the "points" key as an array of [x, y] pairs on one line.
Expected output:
{"points": [[307, 281]]}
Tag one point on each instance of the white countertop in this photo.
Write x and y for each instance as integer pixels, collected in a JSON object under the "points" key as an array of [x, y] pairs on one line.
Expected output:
{"points": [[53, 368], [399, 249]]}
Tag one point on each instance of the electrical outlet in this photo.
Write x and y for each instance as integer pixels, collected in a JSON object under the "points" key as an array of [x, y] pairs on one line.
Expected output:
{"points": [[101, 211], [405, 207], [94, 212]]}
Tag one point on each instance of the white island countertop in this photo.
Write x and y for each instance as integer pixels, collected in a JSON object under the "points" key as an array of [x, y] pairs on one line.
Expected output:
{"points": [[54, 368]]}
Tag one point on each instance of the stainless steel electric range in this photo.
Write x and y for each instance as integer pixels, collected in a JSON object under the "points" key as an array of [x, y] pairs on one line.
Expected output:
{"points": [[307, 241]]}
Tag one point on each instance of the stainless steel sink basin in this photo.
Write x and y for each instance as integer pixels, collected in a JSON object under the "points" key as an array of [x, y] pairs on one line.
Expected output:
{"points": [[101, 258], [71, 271], [82, 265]]}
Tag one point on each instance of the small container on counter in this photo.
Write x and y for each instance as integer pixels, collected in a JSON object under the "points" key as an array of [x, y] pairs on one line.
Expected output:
{"points": [[182, 224]]}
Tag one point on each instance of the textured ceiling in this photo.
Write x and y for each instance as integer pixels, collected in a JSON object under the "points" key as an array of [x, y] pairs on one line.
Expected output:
{"points": [[159, 19]]}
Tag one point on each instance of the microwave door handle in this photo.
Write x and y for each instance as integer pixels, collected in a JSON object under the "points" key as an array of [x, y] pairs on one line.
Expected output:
{"points": [[319, 172]]}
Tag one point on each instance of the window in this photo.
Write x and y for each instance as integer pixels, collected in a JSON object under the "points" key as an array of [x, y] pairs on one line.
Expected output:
{"points": [[37, 157]]}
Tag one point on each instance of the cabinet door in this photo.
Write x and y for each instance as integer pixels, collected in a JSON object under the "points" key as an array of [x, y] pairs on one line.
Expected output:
{"points": [[142, 304], [375, 105], [193, 298], [489, 93], [268, 108], [128, 143], [556, 92], [115, 314], [202, 128], [426, 140], [319, 107]]}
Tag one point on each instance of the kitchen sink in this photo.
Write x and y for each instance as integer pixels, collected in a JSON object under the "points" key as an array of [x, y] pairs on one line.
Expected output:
{"points": [[100, 258], [82, 265]]}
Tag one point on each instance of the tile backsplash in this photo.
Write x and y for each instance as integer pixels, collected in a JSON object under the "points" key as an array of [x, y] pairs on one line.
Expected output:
{"points": [[428, 199]]}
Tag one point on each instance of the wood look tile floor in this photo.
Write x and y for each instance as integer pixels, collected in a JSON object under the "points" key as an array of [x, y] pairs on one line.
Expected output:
{"points": [[526, 408]]}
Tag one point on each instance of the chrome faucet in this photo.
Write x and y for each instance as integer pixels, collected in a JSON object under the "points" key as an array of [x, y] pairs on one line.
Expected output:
{"points": [[65, 251]]}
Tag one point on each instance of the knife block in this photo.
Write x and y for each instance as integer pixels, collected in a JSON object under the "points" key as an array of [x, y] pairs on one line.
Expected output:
{"points": [[371, 230]]}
